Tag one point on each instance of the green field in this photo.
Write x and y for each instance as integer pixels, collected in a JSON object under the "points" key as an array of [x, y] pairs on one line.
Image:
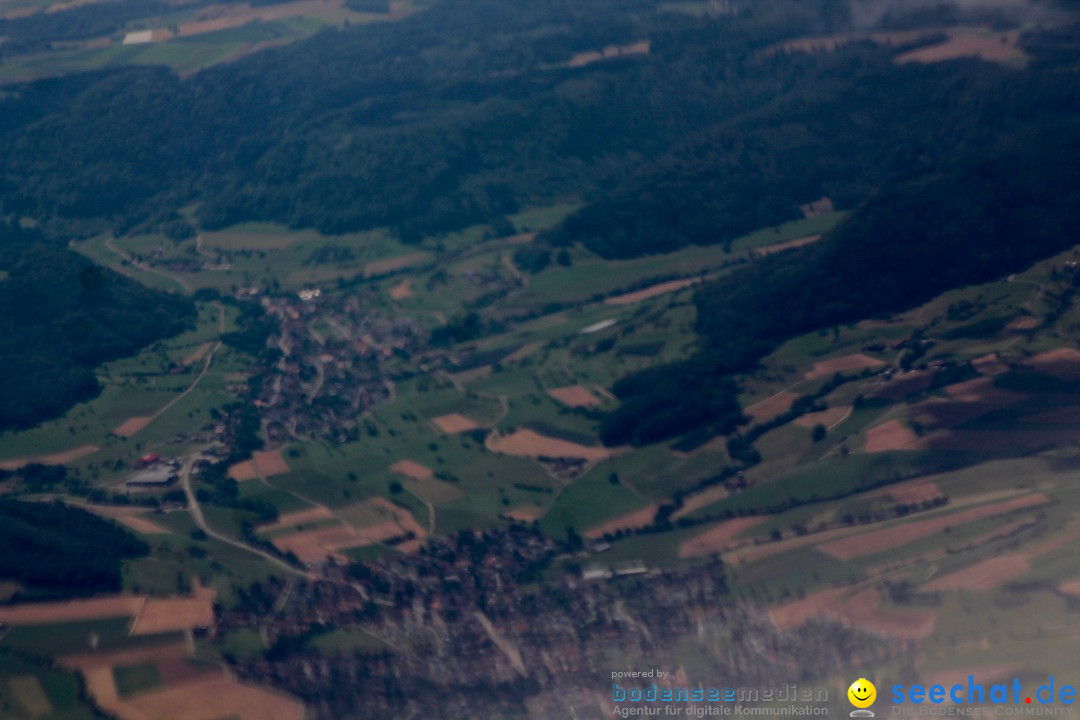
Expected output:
{"points": [[75, 637], [184, 54], [342, 642], [30, 688], [501, 381], [157, 383], [134, 679]]}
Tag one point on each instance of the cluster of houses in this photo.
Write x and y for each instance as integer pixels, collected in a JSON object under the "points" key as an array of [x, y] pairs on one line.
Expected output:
{"points": [[154, 473]]}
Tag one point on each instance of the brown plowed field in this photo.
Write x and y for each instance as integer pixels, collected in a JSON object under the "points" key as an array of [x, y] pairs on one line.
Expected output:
{"points": [[910, 491], [57, 458], [207, 698], [996, 47], [71, 611], [858, 361], [629, 521], [1024, 322], [860, 610], [983, 575], [167, 654], [797, 612], [313, 547], [162, 615], [826, 418], [994, 572], [412, 469], [829, 43], [528, 443], [701, 499], [1071, 587], [132, 425], [770, 407], [879, 540], [380, 267], [1063, 363], [789, 245], [718, 538], [753, 553], [902, 385], [402, 291], [890, 435], [582, 59], [262, 464], [525, 514], [574, 396], [651, 291], [990, 365], [454, 423]]}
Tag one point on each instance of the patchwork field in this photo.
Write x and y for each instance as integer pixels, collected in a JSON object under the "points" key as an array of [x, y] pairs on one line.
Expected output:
{"points": [[930, 470], [957, 42], [320, 533], [262, 464], [147, 402], [185, 39]]}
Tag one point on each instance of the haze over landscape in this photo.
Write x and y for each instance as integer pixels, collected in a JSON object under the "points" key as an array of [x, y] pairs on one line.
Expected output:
{"points": [[491, 358]]}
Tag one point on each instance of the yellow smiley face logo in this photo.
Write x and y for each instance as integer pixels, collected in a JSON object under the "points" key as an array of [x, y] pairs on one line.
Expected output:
{"points": [[862, 693]]}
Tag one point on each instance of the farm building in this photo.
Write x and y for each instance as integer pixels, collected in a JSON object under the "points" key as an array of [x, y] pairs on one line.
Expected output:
{"points": [[139, 37], [155, 477], [595, 572], [630, 567]]}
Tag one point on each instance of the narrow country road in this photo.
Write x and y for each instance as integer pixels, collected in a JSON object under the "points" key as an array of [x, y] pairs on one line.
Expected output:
{"points": [[200, 521], [147, 268]]}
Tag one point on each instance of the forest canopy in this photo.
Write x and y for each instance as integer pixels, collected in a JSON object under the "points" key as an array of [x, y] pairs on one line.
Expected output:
{"points": [[62, 551], [60, 316]]}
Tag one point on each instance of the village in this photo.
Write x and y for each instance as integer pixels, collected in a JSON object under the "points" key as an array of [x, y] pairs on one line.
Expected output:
{"points": [[332, 364], [508, 612]]}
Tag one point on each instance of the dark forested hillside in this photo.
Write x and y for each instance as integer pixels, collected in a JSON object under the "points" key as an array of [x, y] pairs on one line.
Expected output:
{"points": [[61, 315], [62, 551], [472, 109], [456, 115], [984, 217], [862, 122]]}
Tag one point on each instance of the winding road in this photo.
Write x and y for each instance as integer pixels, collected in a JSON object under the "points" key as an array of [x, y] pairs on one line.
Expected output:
{"points": [[200, 521]]}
